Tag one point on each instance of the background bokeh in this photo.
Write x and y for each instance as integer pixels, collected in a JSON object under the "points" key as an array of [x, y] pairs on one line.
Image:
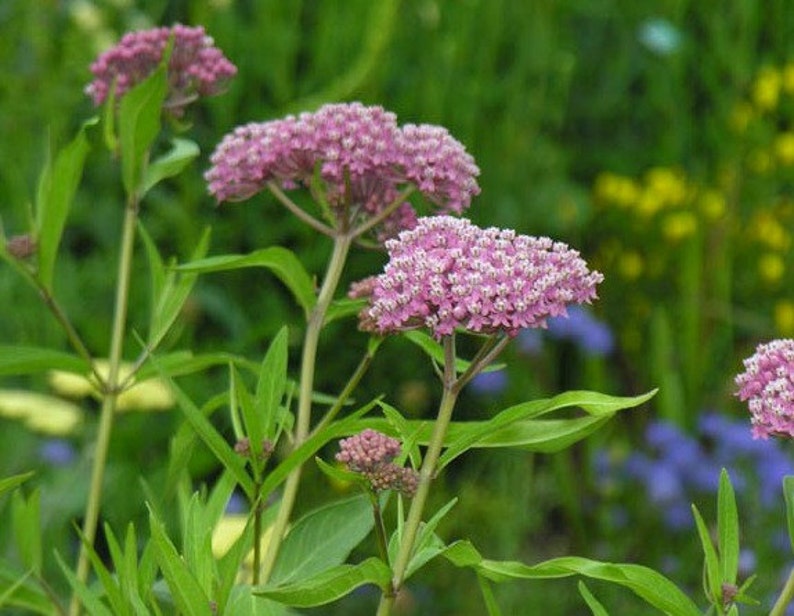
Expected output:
{"points": [[657, 137]]}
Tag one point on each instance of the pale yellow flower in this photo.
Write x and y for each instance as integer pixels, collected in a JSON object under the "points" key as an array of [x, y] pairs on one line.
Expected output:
{"points": [[679, 225], [227, 531], [784, 147], [766, 89], [40, 412], [788, 78], [784, 317], [765, 228], [616, 189], [150, 395], [669, 185], [712, 204], [630, 265]]}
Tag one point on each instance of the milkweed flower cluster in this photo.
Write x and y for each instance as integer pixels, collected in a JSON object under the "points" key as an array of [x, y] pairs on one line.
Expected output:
{"points": [[371, 453], [195, 68], [767, 384], [448, 273], [363, 157]]}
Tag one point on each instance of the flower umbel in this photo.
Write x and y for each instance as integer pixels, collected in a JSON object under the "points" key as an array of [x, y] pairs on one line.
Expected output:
{"points": [[447, 273], [371, 453], [767, 384], [196, 67], [362, 156]]}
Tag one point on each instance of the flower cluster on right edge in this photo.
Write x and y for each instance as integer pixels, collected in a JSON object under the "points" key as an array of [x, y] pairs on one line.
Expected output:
{"points": [[767, 385]]}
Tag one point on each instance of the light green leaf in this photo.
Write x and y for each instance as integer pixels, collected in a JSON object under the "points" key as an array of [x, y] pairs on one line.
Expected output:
{"points": [[118, 602], [713, 578], [57, 186], [788, 493], [595, 606], [9, 483], [329, 585], [646, 583], [139, 125], [89, 599], [435, 351], [343, 308], [18, 360], [182, 152], [428, 545], [340, 474], [488, 597], [728, 529], [281, 261], [26, 522], [322, 539], [15, 590], [269, 389], [243, 602], [185, 589]]}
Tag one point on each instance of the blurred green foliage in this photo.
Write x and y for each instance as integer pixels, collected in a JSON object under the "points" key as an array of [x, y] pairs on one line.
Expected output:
{"points": [[548, 96]]}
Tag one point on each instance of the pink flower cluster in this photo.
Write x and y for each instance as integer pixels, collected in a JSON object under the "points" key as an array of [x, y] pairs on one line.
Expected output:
{"points": [[363, 157], [767, 384], [447, 273], [371, 453], [196, 67]]}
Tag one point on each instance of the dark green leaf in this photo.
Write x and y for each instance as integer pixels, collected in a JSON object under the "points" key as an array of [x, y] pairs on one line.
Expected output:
{"points": [[329, 585], [269, 389], [182, 152], [282, 262], [57, 187], [728, 529], [16, 590], [139, 125], [322, 539]]}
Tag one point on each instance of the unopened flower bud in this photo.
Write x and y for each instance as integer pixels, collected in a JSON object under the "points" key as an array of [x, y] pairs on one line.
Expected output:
{"points": [[21, 246]]}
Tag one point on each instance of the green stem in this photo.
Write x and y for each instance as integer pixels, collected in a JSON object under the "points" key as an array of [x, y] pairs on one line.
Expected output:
{"points": [[258, 510], [300, 213], [426, 474], [110, 396], [342, 243], [786, 595], [380, 528]]}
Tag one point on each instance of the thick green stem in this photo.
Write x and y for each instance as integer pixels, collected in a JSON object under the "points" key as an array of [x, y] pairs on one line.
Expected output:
{"points": [[785, 598], [110, 396], [308, 364], [426, 474]]}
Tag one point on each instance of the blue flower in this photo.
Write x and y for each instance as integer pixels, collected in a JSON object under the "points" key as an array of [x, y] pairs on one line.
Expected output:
{"points": [[592, 336], [659, 36], [490, 383], [57, 452]]}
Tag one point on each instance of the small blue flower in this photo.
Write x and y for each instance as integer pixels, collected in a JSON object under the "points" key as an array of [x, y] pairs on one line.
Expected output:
{"points": [[490, 383], [236, 504], [530, 341], [580, 327], [57, 452], [659, 36]]}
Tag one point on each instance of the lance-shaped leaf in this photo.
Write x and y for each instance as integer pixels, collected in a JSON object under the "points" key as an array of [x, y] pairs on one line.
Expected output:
{"points": [[57, 186], [788, 494], [139, 124], [281, 261], [269, 390], [728, 529], [651, 586], [329, 585], [18, 360], [182, 152], [9, 483]]}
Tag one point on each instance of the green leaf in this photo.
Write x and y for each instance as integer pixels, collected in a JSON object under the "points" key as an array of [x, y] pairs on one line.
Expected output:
{"points": [[26, 522], [281, 261], [139, 125], [713, 570], [728, 529], [18, 360], [182, 152], [269, 390], [89, 599], [109, 583], [9, 483], [156, 267], [788, 493], [435, 351], [185, 589], [323, 539], [16, 590], [646, 583], [340, 474], [343, 308], [211, 437], [595, 606], [329, 585], [243, 602], [428, 545], [176, 288], [57, 186]]}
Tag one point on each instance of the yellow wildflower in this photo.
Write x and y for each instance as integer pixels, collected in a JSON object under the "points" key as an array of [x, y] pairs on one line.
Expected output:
{"points": [[679, 225], [668, 184], [616, 189], [712, 204], [767, 229], [784, 147], [766, 89], [649, 203], [784, 317], [630, 265], [40, 412], [227, 531], [771, 267]]}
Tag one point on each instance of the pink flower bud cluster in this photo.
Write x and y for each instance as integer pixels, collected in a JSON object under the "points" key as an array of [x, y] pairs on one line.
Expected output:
{"points": [[363, 157], [371, 453], [195, 68], [447, 273], [767, 384]]}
